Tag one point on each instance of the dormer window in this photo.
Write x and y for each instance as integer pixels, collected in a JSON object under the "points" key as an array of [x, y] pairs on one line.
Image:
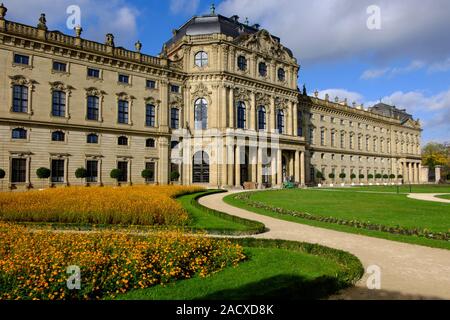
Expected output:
{"points": [[281, 75], [201, 59], [262, 67], [242, 63]]}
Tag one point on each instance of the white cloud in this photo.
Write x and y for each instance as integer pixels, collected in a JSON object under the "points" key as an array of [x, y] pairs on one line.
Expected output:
{"points": [[323, 30], [186, 7], [443, 66], [341, 94], [97, 17], [392, 72]]}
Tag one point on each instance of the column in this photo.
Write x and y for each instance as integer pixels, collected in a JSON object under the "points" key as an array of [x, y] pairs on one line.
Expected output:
{"points": [[164, 161], [302, 168], [409, 172], [259, 173], [252, 122], [273, 115], [66, 171], [291, 165], [279, 167], [129, 172], [297, 166], [238, 167], [163, 120], [231, 117], [295, 110], [289, 119], [254, 163], [230, 163], [418, 173], [224, 165], [100, 172], [273, 166], [27, 172]]}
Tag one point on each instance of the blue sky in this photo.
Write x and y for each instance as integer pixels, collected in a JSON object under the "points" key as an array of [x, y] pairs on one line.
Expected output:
{"points": [[406, 62]]}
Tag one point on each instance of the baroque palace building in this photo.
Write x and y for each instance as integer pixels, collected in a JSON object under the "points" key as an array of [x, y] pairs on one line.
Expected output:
{"points": [[220, 106]]}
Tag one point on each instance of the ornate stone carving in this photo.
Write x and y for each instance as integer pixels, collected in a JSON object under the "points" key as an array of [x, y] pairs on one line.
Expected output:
{"points": [[152, 100], [20, 81], [138, 46], [176, 101], [59, 86], [42, 25], [201, 91], [262, 100], [125, 96], [281, 103], [263, 42], [3, 11], [241, 94], [109, 40], [94, 92]]}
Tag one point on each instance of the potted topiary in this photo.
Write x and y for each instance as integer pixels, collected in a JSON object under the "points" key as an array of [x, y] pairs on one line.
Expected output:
{"points": [[391, 178], [370, 177], [361, 178], [319, 176], [81, 173], [2, 176], [147, 174], [342, 176], [353, 177], [43, 173], [116, 174], [332, 176], [400, 178], [174, 176]]}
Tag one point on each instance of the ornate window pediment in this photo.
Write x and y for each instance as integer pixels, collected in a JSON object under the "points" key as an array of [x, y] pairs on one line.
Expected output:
{"points": [[21, 81], [262, 99], [95, 92], [242, 94], [125, 96], [59, 86], [201, 91]]}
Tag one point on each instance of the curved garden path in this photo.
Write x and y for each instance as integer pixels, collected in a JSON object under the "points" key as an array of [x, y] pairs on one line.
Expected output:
{"points": [[407, 271], [428, 197]]}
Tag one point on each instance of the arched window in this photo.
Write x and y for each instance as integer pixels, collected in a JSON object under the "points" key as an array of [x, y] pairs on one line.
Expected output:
{"points": [[150, 143], [281, 74], [280, 121], [58, 136], [201, 59], [201, 114], [200, 170], [174, 118], [262, 67], [92, 138], [122, 141], [241, 118], [19, 133], [242, 63], [261, 118]]}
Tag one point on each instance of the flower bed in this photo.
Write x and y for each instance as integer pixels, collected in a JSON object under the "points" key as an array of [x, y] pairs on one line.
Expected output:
{"points": [[140, 205], [33, 265]]}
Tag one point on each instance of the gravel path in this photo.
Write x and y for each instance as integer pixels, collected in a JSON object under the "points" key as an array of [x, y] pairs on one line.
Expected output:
{"points": [[407, 271], [428, 197]]}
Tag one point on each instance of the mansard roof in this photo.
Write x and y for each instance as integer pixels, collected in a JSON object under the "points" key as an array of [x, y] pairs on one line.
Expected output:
{"points": [[212, 24]]}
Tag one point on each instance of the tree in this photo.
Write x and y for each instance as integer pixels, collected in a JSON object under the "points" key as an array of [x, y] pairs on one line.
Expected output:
{"points": [[116, 174], [392, 176], [2, 176], [147, 174], [399, 176], [370, 176], [353, 176], [332, 176], [378, 176], [437, 154], [81, 173], [361, 176], [385, 176], [43, 173], [342, 176]]}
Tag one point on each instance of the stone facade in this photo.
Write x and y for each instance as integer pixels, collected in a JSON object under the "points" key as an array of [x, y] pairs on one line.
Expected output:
{"points": [[220, 105]]}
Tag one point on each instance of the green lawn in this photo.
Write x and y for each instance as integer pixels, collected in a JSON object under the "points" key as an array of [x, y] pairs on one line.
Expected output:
{"points": [[446, 196], [216, 222], [269, 273], [405, 188], [385, 209]]}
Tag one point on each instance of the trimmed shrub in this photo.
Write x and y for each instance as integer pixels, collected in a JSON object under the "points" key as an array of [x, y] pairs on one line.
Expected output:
{"points": [[400, 176], [174, 176], [361, 176], [81, 173], [332, 176], [378, 176], [385, 176], [43, 173], [342, 175], [2, 174], [116, 174], [353, 176], [370, 176], [392, 176], [146, 174]]}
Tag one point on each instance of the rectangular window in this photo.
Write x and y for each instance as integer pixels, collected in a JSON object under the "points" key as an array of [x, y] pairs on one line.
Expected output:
{"points": [[123, 167], [333, 137], [123, 112], [58, 171], [92, 108], [322, 137], [59, 104], [151, 84], [174, 118], [150, 116], [20, 99], [175, 89], [342, 140], [21, 59], [59, 66], [151, 167], [18, 170], [311, 135], [92, 171], [93, 73], [124, 78]]}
